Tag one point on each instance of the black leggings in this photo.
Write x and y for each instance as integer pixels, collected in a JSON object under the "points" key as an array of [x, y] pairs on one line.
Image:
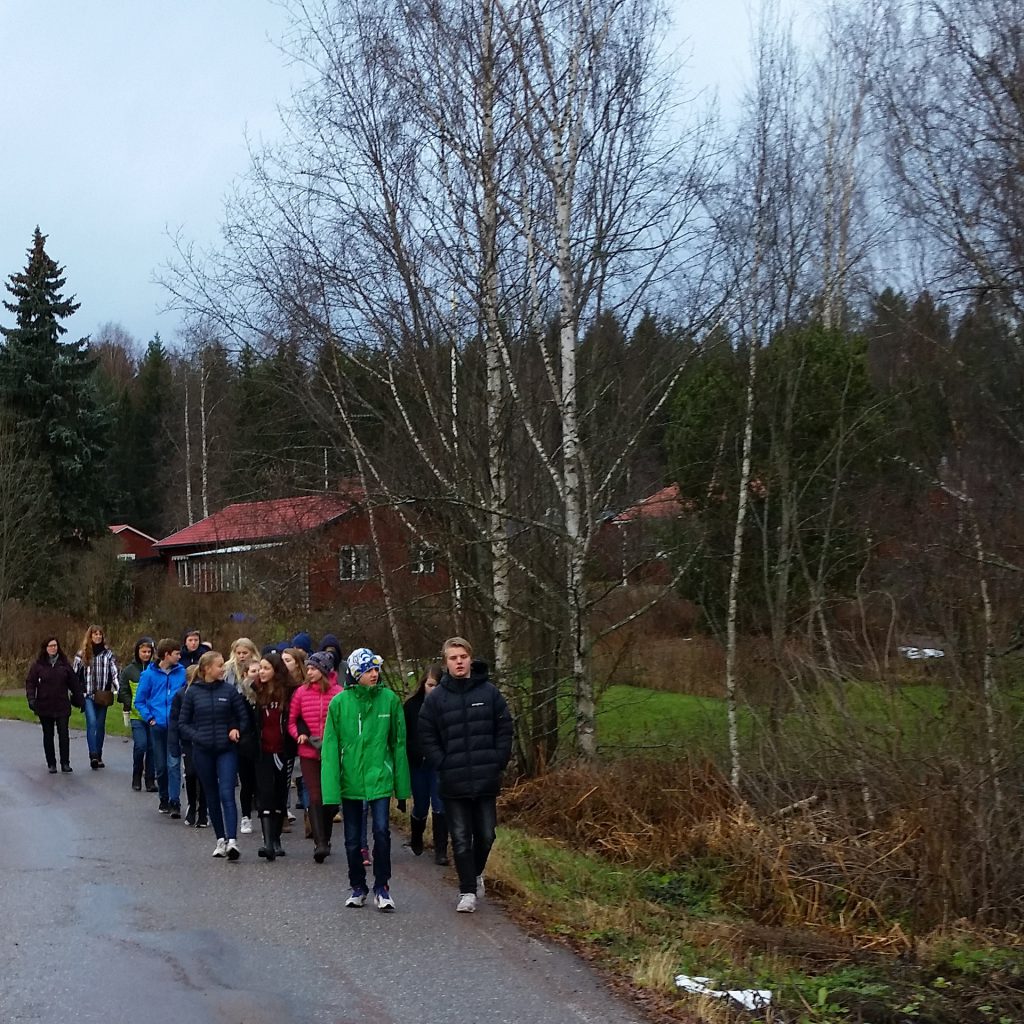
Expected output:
{"points": [[62, 737], [246, 783], [271, 784]]}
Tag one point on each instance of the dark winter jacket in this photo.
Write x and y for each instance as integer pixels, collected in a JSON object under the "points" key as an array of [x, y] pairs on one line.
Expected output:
{"points": [[190, 658], [209, 711], [155, 692], [52, 689], [465, 734], [411, 709]]}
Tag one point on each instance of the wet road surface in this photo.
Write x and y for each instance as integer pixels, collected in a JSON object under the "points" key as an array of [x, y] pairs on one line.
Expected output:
{"points": [[111, 912]]}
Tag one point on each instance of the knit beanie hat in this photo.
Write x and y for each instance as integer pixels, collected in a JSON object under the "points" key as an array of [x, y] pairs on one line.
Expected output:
{"points": [[361, 660], [321, 660], [303, 641]]}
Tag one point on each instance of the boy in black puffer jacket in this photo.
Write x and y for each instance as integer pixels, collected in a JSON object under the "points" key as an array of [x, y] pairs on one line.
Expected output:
{"points": [[465, 734]]}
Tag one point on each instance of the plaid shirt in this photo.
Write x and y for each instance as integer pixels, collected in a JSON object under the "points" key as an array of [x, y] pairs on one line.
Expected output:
{"points": [[98, 674]]}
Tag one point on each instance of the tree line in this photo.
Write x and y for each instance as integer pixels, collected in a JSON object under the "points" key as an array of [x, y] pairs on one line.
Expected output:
{"points": [[502, 266]]}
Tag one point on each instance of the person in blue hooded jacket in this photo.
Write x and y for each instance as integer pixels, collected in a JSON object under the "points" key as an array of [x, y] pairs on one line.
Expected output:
{"points": [[157, 686]]}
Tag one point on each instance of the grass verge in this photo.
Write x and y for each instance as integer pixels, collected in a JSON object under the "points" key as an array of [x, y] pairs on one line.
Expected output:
{"points": [[643, 927], [15, 707]]}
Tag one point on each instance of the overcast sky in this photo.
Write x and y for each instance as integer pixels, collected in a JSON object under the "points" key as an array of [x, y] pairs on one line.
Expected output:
{"points": [[123, 119]]}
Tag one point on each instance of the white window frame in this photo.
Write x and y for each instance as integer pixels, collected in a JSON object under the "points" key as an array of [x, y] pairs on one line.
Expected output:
{"points": [[423, 560], [353, 562]]}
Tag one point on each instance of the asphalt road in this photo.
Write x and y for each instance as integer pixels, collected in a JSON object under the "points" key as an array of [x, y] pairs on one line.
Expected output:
{"points": [[111, 912]]}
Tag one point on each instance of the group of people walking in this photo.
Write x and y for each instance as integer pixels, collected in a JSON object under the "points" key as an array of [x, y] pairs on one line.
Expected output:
{"points": [[244, 723]]}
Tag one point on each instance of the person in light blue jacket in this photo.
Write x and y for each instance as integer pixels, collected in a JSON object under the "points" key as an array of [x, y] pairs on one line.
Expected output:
{"points": [[157, 686]]}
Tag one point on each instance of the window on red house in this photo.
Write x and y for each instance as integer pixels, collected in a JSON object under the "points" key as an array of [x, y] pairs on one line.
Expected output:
{"points": [[354, 562]]}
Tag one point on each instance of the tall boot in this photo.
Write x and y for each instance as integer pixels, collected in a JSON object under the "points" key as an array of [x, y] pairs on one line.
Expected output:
{"points": [[267, 849], [278, 819], [306, 826], [417, 827], [439, 825], [329, 811], [137, 780], [316, 824]]}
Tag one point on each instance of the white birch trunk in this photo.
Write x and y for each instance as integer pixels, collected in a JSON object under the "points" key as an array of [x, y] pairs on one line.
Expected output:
{"points": [[204, 456], [188, 454]]}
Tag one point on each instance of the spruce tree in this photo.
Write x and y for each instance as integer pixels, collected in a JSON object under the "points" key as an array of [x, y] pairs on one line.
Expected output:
{"points": [[48, 388]]}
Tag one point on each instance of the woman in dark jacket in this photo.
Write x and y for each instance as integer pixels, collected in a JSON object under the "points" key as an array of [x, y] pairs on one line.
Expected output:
{"points": [[425, 794], [51, 687], [213, 718], [274, 748]]}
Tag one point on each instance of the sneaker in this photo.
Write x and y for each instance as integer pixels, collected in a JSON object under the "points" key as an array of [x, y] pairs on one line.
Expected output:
{"points": [[190, 816], [233, 851], [52, 769], [358, 898], [66, 769], [466, 904], [175, 809], [366, 857], [290, 817], [382, 897], [246, 828], [164, 808], [203, 823], [480, 891], [151, 786], [221, 849], [93, 763], [99, 763]]}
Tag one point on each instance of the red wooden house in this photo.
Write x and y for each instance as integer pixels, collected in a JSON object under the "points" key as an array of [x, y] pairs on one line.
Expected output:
{"points": [[631, 544], [321, 547], [136, 546]]}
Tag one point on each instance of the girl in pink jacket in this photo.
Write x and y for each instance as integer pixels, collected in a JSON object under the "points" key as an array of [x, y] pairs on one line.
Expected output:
{"points": [[306, 724]]}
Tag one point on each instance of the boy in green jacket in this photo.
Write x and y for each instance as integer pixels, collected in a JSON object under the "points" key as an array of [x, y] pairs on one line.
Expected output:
{"points": [[363, 759]]}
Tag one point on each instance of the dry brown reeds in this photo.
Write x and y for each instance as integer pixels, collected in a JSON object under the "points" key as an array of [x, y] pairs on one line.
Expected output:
{"points": [[921, 866]]}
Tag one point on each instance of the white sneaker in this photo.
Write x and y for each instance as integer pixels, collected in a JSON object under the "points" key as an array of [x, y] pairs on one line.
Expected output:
{"points": [[467, 903], [357, 899], [382, 897], [232, 849], [291, 817], [246, 828], [221, 849], [481, 892]]}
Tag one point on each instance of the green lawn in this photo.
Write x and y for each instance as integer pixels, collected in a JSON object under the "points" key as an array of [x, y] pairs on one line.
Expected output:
{"points": [[17, 708]]}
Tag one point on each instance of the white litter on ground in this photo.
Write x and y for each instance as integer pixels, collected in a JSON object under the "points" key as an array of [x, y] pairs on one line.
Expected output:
{"points": [[917, 653], [748, 998]]}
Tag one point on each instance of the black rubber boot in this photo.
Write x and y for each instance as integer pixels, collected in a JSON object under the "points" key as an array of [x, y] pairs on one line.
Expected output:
{"points": [[137, 781], [267, 849], [278, 820], [316, 824], [417, 827], [329, 811], [439, 826]]}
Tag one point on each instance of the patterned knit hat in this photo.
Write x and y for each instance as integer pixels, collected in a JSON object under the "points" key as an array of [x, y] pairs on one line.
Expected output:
{"points": [[321, 660], [361, 660]]}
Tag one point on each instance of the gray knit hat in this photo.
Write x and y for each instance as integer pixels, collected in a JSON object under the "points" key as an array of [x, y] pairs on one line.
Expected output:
{"points": [[321, 660]]}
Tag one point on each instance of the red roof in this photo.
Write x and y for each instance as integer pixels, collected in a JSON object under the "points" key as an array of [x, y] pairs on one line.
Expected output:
{"points": [[252, 521], [663, 504]]}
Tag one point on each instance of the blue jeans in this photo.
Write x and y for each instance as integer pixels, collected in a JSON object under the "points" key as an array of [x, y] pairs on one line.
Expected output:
{"points": [[142, 751], [95, 727], [425, 792], [354, 818], [158, 741], [218, 772], [174, 778]]}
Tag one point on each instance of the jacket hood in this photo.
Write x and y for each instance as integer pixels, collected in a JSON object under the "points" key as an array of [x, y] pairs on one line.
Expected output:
{"points": [[139, 643], [330, 640], [477, 675]]}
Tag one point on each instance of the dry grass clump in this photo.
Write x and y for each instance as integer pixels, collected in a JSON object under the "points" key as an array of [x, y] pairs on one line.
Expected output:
{"points": [[640, 812]]}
